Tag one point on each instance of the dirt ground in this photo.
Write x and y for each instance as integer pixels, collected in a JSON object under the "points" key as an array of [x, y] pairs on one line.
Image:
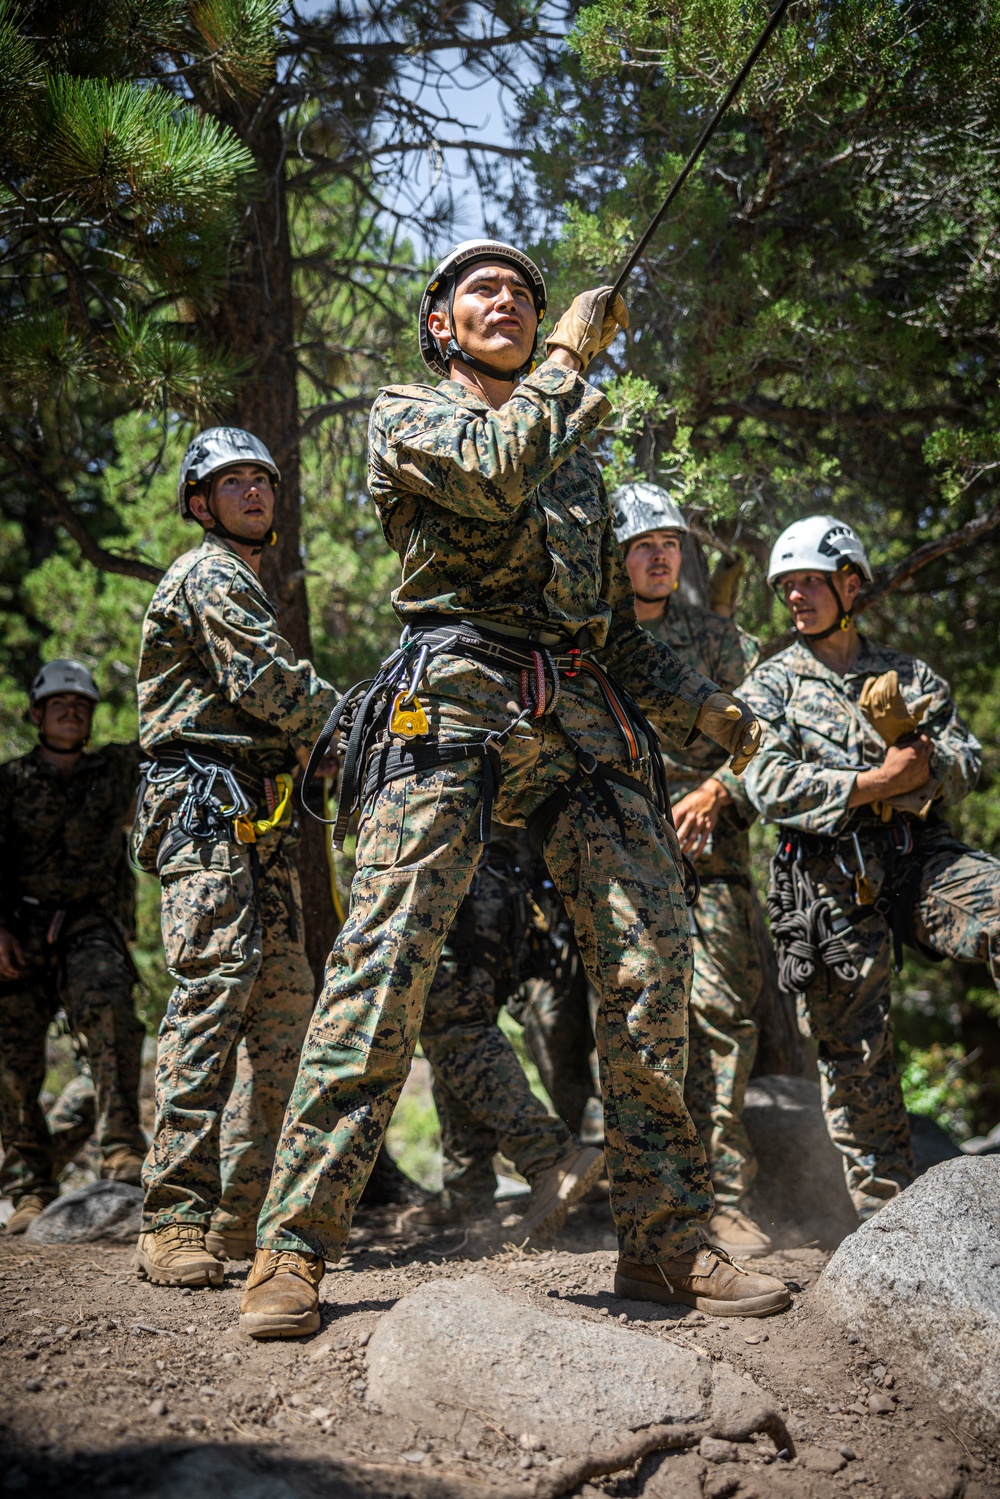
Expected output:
{"points": [[119, 1388]]}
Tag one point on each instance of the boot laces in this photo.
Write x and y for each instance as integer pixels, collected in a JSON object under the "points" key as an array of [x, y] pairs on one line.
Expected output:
{"points": [[184, 1233], [294, 1261]]}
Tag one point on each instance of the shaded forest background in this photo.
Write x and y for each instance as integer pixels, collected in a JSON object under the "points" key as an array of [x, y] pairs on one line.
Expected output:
{"points": [[223, 209]]}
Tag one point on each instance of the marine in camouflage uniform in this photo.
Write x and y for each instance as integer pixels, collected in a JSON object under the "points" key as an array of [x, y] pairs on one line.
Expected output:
{"points": [[219, 687], [500, 520], [713, 814], [727, 977], [818, 746], [66, 898]]}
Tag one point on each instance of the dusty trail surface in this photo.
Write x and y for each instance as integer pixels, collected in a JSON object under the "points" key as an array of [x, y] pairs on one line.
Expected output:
{"points": [[119, 1388]]}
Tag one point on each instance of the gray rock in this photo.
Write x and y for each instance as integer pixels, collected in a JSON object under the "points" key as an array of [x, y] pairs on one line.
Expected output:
{"points": [[800, 1193], [457, 1348], [931, 1145], [209, 1471], [102, 1210], [919, 1284]]}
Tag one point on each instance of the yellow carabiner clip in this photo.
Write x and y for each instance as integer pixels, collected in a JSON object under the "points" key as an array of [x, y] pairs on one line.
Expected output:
{"points": [[410, 720]]}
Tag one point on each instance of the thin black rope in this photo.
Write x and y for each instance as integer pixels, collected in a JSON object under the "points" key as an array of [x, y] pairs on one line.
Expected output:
{"points": [[703, 140]]}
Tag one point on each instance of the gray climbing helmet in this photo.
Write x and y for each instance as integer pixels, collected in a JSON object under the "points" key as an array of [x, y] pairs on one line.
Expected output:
{"points": [[63, 676], [215, 448], [641, 507]]}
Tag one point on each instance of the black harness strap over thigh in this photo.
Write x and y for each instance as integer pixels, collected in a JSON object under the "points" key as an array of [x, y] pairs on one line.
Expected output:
{"points": [[367, 765]]}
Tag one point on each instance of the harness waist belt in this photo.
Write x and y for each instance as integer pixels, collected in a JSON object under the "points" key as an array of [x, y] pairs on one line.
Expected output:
{"points": [[372, 706]]}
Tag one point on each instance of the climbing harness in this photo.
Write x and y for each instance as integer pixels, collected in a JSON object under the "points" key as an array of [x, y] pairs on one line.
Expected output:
{"points": [[385, 731], [803, 928], [218, 800]]}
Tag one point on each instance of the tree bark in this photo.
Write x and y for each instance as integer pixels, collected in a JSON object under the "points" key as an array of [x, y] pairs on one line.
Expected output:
{"points": [[255, 318]]}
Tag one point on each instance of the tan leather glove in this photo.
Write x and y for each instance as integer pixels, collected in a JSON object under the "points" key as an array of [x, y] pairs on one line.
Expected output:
{"points": [[729, 721], [589, 324], [918, 802], [885, 708]]}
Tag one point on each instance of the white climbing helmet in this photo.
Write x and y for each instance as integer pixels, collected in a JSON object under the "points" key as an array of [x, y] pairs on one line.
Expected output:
{"points": [[821, 544], [642, 507], [443, 279], [63, 676]]}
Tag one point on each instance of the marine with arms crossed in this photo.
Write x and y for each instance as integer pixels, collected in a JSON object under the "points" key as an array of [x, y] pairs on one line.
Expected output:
{"points": [[863, 748], [712, 813], [223, 707]]}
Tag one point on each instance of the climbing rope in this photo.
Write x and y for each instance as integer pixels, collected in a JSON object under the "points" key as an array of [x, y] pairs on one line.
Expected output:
{"points": [[802, 930]]}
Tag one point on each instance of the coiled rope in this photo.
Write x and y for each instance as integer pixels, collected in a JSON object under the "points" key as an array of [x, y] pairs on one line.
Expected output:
{"points": [[802, 930]]}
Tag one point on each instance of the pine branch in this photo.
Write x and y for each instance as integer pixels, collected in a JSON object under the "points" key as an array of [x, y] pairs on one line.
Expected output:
{"points": [[891, 578], [63, 512], [318, 416]]}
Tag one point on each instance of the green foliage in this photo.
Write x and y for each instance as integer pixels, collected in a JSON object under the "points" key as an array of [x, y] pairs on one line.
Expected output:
{"points": [[819, 313], [814, 327], [934, 1084]]}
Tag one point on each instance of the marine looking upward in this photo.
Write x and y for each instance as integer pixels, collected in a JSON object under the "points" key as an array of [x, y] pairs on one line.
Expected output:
{"points": [[524, 689]]}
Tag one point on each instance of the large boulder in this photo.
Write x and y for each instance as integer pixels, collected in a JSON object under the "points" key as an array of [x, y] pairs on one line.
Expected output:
{"points": [[920, 1285], [102, 1210], [800, 1193], [458, 1350]]}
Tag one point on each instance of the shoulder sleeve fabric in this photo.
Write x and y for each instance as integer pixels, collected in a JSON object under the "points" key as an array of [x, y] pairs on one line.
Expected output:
{"points": [[736, 654], [781, 784], [479, 464], [253, 664]]}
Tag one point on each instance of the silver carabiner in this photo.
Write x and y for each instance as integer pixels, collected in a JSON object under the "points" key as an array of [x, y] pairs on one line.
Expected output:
{"points": [[417, 674]]}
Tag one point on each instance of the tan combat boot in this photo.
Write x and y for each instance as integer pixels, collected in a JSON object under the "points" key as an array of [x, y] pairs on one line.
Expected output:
{"points": [[282, 1295], [705, 1278], [449, 1208], [175, 1255], [737, 1234], [554, 1192], [232, 1243], [123, 1165], [26, 1212]]}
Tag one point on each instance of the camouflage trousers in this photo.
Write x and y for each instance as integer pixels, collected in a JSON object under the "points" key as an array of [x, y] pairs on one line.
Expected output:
{"points": [[957, 914], [417, 852], [229, 1043], [483, 1099], [722, 1041], [726, 987], [90, 978]]}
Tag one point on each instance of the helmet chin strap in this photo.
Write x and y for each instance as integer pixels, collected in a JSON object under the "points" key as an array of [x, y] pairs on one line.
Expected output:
{"points": [[843, 623], [454, 350], [256, 544], [57, 749]]}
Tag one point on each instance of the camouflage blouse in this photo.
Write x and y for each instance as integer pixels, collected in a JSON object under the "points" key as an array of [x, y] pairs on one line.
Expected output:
{"points": [[501, 514], [215, 671], [816, 739], [62, 838], [721, 651]]}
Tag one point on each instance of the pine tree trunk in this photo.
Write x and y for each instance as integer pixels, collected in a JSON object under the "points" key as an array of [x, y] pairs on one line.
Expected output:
{"points": [[255, 318]]}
